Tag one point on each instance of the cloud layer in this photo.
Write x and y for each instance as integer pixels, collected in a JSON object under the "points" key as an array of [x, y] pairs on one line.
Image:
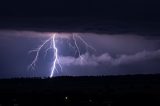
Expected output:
{"points": [[115, 54], [107, 60]]}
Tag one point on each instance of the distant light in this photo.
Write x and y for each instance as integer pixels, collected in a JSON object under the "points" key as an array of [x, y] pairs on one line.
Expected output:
{"points": [[66, 98]]}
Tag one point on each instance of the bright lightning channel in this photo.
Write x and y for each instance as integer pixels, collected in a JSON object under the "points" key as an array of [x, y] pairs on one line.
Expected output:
{"points": [[55, 50], [56, 63], [52, 42]]}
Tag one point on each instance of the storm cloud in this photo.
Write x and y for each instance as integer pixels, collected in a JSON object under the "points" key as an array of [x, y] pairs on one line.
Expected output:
{"points": [[116, 54]]}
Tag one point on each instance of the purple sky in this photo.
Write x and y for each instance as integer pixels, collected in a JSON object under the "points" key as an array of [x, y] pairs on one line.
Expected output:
{"points": [[115, 54]]}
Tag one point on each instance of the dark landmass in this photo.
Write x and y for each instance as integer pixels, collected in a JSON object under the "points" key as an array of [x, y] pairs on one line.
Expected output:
{"points": [[104, 90]]}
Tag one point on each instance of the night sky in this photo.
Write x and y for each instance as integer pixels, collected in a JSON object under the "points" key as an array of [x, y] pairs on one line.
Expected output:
{"points": [[125, 34]]}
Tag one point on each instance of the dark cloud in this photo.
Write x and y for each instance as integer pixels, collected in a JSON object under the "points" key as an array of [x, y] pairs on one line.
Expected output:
{"points": [[83, 25], [140, 17]]}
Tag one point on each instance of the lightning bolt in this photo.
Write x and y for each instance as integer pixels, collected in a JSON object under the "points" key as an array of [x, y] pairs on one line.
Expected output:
{"points": [[33, 64], [52, 42], [52, 46], [86, 44], [78, 50], [77, 47], [56, 60]]}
